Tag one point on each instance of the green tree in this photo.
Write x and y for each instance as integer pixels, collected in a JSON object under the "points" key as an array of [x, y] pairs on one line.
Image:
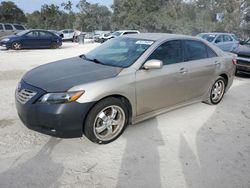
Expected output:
{"points": [[93, 17], [9, 12]]}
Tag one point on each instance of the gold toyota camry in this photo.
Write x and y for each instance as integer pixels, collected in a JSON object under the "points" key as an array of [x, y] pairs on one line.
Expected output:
{"points": [[124, 81]]}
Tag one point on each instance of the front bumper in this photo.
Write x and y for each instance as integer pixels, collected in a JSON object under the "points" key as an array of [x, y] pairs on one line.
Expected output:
{"points": [[59, 120], [243, 64], [5, 44]]}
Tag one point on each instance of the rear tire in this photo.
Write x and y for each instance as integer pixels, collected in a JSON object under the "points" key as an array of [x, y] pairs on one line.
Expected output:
{"points": [[217, 91], [54, 45], [16, 46], [106, 121]]}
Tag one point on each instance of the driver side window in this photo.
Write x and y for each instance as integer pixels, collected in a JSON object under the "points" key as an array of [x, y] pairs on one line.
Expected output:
{"points": [[219, 39], [169, 53]]}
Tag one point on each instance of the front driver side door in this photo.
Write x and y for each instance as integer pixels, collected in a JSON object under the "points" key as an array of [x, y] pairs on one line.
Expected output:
{"points": [[160, 88]]}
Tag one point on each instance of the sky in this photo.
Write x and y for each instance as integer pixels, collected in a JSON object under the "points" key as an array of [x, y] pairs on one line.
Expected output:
{"points": [[28, 6]]}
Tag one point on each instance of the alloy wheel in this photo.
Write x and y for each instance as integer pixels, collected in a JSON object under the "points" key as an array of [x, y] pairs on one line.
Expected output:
{"points": [[109, 123]]}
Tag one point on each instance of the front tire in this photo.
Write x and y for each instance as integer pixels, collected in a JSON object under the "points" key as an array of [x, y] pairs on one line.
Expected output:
{"points": [[217, 91], [106, 121], [16, 46]]}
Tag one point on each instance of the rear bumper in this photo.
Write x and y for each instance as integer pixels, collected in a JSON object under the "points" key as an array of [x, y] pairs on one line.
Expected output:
{"points": [[58, 120], [243, 64]]}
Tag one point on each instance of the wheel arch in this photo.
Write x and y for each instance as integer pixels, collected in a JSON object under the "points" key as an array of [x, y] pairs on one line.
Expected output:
{"points": [[124, 99]]}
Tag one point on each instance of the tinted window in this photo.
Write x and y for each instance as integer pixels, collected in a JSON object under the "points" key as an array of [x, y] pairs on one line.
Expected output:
{"points": [[71, 31], [195, 50], [65, 31], [8, 27], [45, 34], [19, 27], [227, 38], [169, 53], [210, 53], [1, 27], [32, 34]]}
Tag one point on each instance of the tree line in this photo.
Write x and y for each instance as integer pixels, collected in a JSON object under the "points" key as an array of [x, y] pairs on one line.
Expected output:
{"points": [[178, 16]]}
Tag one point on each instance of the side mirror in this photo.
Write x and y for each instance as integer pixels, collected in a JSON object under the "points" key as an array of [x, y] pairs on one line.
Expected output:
{"points": [[153, 64]]}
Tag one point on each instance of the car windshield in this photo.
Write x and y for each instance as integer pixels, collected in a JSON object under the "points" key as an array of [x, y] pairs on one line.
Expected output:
{"points": [[22, 32], [119, 52], [235, 38], [117, 33], [210, 38]]}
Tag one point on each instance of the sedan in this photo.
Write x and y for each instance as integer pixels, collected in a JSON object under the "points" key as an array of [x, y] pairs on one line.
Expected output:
{"points": [[124, 81], [31, 39]]}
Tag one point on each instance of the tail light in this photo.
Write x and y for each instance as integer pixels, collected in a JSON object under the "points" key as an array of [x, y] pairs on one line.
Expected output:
{"points": [[234, 61]]}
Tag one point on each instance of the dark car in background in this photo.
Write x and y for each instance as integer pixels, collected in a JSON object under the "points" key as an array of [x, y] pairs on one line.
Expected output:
{"points": [[31, 39], [243, 58]]}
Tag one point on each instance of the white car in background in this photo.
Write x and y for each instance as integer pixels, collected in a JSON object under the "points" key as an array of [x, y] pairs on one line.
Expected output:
{"points": [[118, 34], [70, 35]]}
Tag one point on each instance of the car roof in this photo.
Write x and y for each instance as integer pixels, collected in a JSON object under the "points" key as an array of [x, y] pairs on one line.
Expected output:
{"points": [[159, 36], [127, 31], [217, 33]]}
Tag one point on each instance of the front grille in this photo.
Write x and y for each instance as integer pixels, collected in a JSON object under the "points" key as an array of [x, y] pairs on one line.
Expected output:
{"points": [[25, 95]]}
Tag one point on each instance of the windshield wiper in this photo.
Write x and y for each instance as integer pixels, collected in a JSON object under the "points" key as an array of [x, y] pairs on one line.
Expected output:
{"points": [[93, 60]]}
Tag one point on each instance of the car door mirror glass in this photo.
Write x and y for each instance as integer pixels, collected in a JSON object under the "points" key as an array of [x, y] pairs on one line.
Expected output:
{"points": [[153, 64]]}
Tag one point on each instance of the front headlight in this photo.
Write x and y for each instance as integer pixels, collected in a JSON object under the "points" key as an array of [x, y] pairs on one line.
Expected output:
{"points": [[5, 40], [60, 98]]}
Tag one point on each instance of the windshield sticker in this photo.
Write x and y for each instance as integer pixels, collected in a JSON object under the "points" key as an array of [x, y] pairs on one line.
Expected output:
{"points": [[145, 42]]}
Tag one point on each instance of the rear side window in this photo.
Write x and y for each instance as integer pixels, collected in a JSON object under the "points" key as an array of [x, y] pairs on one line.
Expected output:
{"points": [[211, 53], [18, 27], [71, 31], [65, 31], [195, 50], [169, 52], [8, 27], [1, 27], [45, 34]]}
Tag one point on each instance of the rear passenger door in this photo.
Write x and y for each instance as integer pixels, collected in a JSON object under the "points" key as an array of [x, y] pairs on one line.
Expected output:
{"points": [[202, 62], [45, 39]]}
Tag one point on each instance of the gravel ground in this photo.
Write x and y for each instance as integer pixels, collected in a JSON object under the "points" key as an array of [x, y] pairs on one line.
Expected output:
{"points": [[196, 146]]}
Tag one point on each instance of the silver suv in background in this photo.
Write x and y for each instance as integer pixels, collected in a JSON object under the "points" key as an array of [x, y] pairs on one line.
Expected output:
{"points": [[225, 41], [10, 29]]}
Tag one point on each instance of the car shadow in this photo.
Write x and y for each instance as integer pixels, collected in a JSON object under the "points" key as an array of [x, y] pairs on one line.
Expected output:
{"points": [[140, 165], [39, 171], [222, 156]]}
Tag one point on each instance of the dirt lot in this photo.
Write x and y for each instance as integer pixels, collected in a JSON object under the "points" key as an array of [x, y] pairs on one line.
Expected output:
{"points": [[196, 146]]}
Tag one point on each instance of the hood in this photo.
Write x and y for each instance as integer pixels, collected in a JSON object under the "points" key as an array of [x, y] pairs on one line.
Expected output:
{"points": [[8, 36], [62, 75], [243, 50]]}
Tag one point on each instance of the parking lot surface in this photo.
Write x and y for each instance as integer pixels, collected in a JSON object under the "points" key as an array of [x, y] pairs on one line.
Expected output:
{"points": [[195, 146]]}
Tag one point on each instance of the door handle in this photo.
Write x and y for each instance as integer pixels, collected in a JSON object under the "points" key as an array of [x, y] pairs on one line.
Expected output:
{"points": [[183, 71]]}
